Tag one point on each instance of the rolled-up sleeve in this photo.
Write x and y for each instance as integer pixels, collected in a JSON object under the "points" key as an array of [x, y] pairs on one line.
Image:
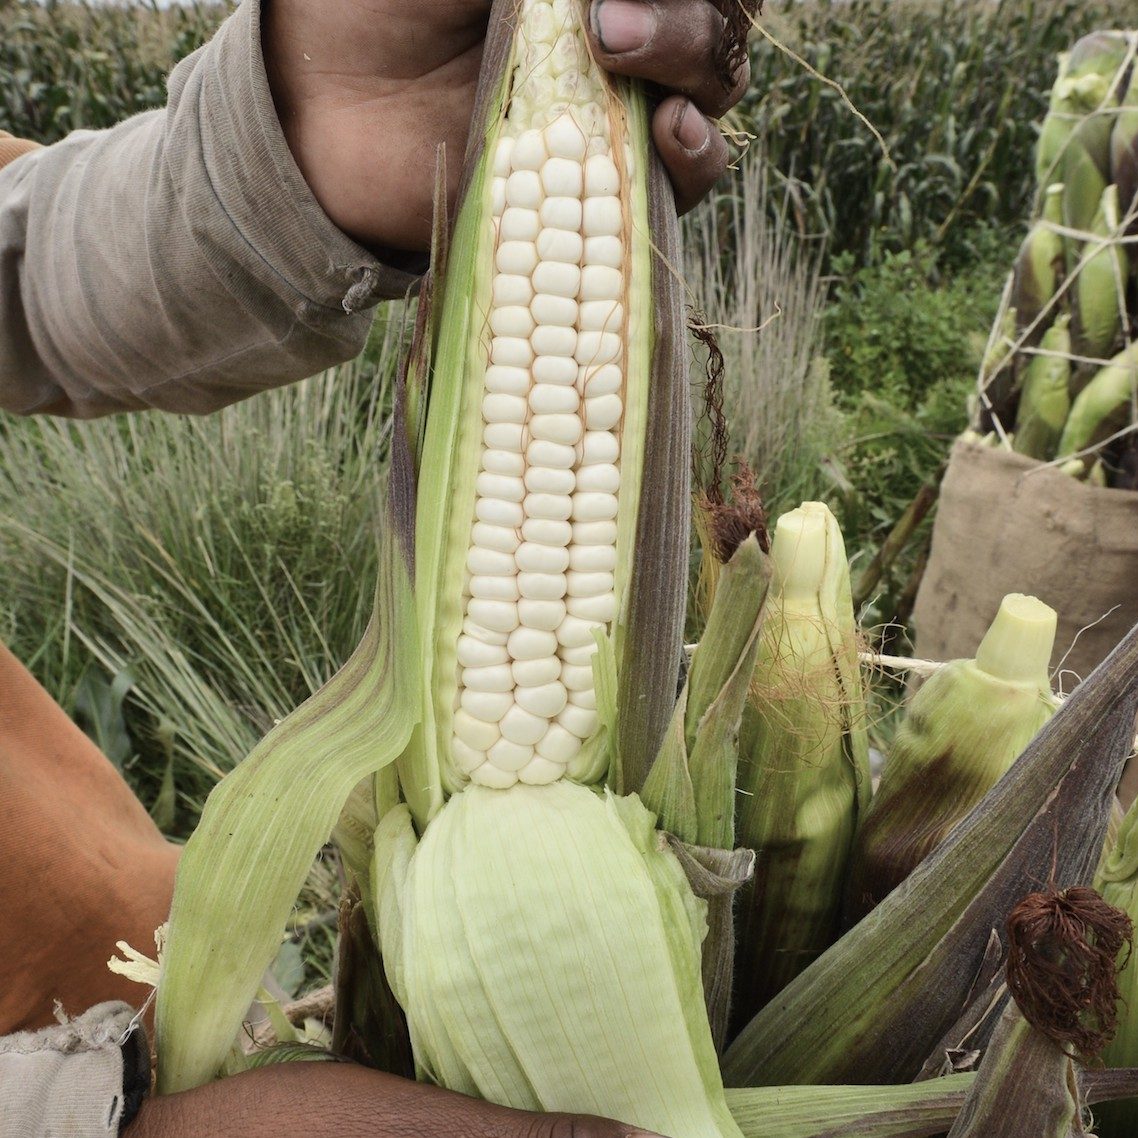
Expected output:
{"points": [[179, 260]]}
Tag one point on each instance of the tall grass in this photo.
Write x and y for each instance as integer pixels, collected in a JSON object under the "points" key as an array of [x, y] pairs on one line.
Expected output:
{"points": [[223, 565], [760, 283]]}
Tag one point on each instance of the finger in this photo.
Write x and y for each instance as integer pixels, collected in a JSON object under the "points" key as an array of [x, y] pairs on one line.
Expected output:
{"points": [[691, 147], [679, 44]]}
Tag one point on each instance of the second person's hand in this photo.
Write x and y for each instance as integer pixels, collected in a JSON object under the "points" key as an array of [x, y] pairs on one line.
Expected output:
{"points": [[367, 89]]}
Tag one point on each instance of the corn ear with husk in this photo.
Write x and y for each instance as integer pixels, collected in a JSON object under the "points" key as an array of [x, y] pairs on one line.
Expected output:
{"points": [[964, 728], [1045, 396], [1038, 270], [804, 779], [1100, 286], [1104, 407], [877, 1003], [1087, 77], [998, 374], [1124, 162]]}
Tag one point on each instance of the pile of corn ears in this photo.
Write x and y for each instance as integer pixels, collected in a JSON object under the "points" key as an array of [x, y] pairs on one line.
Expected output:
{"points": [[1059, 381], [570, 887]]}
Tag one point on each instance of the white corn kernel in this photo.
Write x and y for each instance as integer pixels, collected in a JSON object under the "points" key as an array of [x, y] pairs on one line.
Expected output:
{"points": [[541, 586], [602, 608], [575, 632], [541, 452], [494, 588], [516, 257], [547, 399], [594, 533], [581, 655], [501, 380], [509, 288], [504, 409], [504, 462], [580, 721], [575, 677], [563, 137], [593, 507], [588, 584], [562, 178], [561, 213], [592, 558], [602, 179], [522, 727], [550, 479], [496, 512], [602, 217], [502, 153], [512, 320], [473, 653], [559, 279], [607, 379], [489, 562], [504, 539], [600, 282], [602, 316], [492, 678], [529, 151], [547, 308], [488, 706], [509, 489], [601, 477], [558, 745], [547, 616], [475, 732], [498, 616], [607, 250], [555, 369], [599, 446], [467, 757], [519, 224], [564, 429], [534, 558], [479, 632], [523, 188], [536, 673], [498, 196], [603, 412], [541, 772], [528, 644], [512, 352], [559, 245], [542, 531], [553, 340], [546, 700], [494, 777], [554, 507], [507, 755], [597, 348], [586, 698]]}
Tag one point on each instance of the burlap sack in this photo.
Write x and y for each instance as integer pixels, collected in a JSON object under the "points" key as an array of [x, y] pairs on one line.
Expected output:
{"points": [[1007, 524]]}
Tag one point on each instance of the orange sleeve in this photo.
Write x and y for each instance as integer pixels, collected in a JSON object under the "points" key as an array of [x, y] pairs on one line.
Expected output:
{"points": [[12, 147]]}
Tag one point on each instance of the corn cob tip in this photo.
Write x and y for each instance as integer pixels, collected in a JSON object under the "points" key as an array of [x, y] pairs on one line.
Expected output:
{"points": [[1017, 646], [799, 550]]}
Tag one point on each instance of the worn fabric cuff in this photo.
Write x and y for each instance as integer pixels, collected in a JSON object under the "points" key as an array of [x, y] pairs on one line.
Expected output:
{"points": [[85, 1078]]}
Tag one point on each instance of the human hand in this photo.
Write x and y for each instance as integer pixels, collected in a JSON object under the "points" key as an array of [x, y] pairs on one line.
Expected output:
{"points": [[335, 1100], [367, 89]]}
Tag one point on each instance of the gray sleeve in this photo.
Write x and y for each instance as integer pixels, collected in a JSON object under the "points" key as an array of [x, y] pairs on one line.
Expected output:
{"points": [[179, 260], [74, 1079]]}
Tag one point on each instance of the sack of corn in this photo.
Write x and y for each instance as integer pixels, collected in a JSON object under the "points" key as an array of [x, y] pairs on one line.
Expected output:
{"points": [[1039, 496], [543, 839]]}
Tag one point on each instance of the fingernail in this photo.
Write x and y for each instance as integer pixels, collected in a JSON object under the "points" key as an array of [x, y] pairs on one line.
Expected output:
{"points": [[690, 128], [623, 25]]}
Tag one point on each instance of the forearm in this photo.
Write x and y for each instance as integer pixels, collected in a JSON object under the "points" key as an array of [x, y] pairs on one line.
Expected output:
{"points": [[178, 261]]}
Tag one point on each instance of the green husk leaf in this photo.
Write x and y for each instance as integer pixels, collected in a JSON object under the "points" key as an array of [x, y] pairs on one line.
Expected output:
{"points": [[276, 810], [877, 1003]]}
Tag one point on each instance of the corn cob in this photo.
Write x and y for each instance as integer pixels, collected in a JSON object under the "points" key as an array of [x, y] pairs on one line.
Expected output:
{"points": [[1103, 407], [964, 728], [1118, 883], [1087, 80], [1100, 286], [1038, 270], [1045, 397], [803, 759]]}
